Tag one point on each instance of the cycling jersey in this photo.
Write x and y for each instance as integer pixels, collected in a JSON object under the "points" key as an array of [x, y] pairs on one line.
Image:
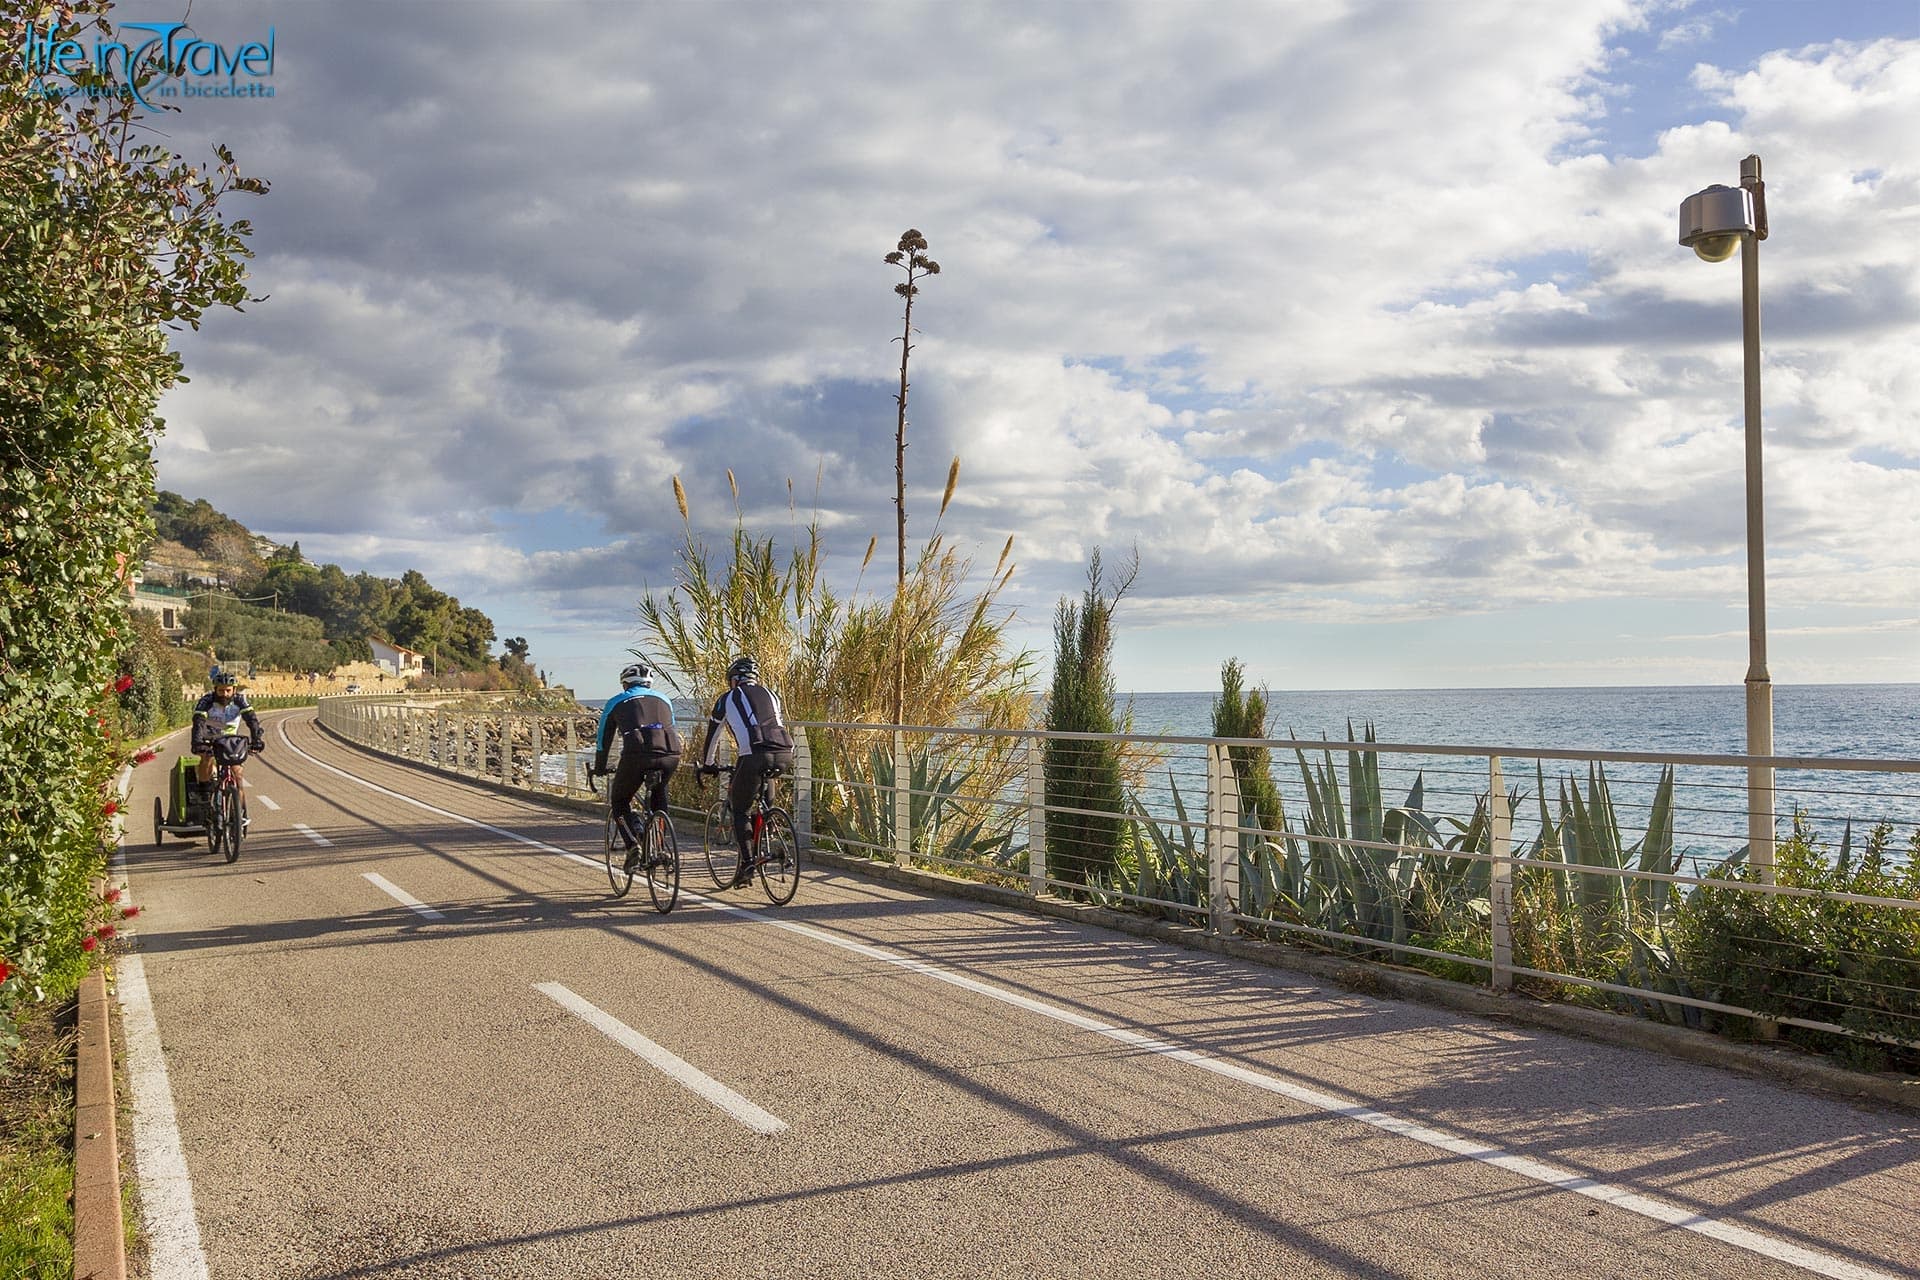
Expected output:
{"points": [[218, 715], [751, 713], [644, 720]]}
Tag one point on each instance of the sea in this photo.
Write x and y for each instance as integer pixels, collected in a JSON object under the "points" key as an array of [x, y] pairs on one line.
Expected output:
{"points": [[1859, 722], [1828, 721]]}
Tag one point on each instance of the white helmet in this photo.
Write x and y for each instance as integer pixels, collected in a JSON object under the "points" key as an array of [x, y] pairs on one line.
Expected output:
{"points": [[634, 673]]}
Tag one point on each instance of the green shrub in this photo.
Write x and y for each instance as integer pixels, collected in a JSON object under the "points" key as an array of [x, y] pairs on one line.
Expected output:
{"points": [[105, 241], [1086, 787], [1850, 964]]}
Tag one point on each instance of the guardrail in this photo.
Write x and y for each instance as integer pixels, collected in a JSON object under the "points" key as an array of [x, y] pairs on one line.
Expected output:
{"points": [[1605, 877]]}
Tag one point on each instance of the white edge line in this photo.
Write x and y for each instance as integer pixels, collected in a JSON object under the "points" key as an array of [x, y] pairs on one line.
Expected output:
{"points": [[401, 896], [1829, 1265], [313, 835], [160, 1163], [748, 1113], [267, 801]]}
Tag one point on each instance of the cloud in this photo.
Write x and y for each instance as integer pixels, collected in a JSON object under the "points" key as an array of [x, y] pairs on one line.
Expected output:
{"points": [[1335, 311]]}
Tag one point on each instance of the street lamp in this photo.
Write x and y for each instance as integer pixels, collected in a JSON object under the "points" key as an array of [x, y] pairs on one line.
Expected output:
{"points": [[1713, 223]]}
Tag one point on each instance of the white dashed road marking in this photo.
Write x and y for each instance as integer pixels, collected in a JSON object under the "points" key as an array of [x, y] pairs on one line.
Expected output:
{"points": [[401, 896], [747, 1113]]}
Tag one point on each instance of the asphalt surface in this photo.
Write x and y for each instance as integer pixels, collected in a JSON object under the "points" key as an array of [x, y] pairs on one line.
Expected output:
{"points": [[361, 1089]]}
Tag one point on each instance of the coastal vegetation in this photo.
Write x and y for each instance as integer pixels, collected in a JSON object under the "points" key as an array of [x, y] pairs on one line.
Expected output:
{"points": [[107, 241]]}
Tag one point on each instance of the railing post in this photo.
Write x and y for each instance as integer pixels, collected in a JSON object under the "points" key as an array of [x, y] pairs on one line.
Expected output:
{"points": [[1500, 890], [1223, 840], [440, 738], [506, 751], [902, 801], [1037, 815], [573, 748], [803, 789]]}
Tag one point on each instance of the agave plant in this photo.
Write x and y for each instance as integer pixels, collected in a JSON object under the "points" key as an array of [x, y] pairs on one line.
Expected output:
{"points": [[944, 824], [1161, 863]]}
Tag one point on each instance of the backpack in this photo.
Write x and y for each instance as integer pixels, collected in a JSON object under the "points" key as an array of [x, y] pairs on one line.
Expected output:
{"points": [[659, 738], [762, 737]]}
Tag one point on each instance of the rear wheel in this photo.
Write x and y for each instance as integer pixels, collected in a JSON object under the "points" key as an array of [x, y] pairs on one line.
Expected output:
{"points": [[618, 874], [159, 821], [779, 857], [235, 822], [663, 863], [723, 860]]}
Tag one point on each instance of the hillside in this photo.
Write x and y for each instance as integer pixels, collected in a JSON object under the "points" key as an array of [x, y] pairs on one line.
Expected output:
{"points": [[282, 610]]}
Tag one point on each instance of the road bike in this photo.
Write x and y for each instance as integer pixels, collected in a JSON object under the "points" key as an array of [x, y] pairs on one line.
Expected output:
{"points": [[772, 851], [658, 854], [225, 814]]}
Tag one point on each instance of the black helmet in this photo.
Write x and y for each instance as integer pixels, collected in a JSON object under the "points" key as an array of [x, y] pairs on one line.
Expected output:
{"points": [[745, 670], [634, 673]]}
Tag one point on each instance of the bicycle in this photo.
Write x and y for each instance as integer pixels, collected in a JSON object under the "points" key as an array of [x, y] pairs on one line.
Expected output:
{"points": [[658, 853], [225, 814], [772, 850]]}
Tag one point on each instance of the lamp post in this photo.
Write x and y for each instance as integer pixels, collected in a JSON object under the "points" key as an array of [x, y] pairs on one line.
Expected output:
{"points": [[1713, 223]]}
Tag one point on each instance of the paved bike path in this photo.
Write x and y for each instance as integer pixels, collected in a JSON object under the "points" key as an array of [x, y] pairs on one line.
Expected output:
{"points": [[365, 1090]]}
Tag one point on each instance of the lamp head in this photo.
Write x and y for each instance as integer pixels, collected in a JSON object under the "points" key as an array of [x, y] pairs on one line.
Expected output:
{"points": [[1714, 222]]}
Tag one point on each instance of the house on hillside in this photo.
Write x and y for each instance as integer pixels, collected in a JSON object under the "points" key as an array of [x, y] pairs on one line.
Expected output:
{"points": [[396, 659], [168, 603]]}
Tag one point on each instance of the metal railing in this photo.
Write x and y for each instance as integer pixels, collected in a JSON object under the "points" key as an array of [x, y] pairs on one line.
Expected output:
{"points": [[1604, 877]]}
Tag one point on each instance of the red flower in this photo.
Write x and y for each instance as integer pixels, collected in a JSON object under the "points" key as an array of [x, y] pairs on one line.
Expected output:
{"points": [[6, 970], [112, 895], [143, 756], [123, 684], [104, 931], [110, 808], [87, 943], [128, 913]]}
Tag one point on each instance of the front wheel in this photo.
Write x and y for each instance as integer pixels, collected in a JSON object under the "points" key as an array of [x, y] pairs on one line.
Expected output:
{"points": [[663, 863], [723, 860], [779, 858], [619, 875], [236, 823], [159, 822]]}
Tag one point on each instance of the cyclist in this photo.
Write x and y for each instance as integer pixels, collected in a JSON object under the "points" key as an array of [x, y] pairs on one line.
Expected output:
{"points": [[763, 743], [643, 719], [211, 716]]}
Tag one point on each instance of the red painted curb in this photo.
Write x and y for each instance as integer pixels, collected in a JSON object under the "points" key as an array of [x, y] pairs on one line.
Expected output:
{"points": [[99, 1237]]}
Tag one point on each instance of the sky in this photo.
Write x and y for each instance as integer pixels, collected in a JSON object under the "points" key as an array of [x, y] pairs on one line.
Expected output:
{"points": [[1364, 322]]}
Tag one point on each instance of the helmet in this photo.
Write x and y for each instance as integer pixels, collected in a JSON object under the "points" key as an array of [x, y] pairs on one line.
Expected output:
{"points": [[219, 676], [744, 669], [634, 673]]}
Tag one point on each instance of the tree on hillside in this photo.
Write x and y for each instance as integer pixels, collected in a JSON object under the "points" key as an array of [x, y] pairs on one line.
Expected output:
{"points": [[232, 550], [196, 525], [1085, 775], [247, 633]]}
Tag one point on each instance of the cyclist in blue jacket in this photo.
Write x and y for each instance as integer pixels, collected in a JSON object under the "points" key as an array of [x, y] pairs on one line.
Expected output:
{"points": [[642, 718]]}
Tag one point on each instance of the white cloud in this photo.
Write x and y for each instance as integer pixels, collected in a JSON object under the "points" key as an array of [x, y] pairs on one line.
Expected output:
{"points": [[1338, 310]]}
